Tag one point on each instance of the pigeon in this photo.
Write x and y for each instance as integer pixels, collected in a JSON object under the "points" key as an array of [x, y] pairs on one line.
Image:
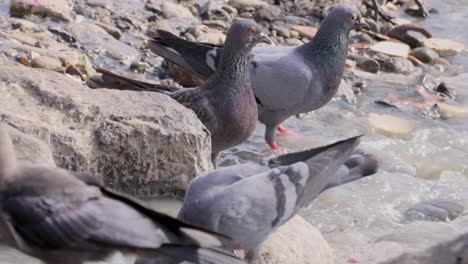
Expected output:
{"points": [[225, 102], [286, 80], [61, 216], [247, 202]]}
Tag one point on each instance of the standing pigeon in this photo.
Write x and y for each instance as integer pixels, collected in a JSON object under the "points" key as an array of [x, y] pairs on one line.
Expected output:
{"points": [[286, 80], [249, 201], [59, 216], [225, 102]]}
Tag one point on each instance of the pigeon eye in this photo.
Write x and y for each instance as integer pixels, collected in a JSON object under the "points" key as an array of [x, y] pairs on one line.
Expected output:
{"points": [[351, 17], [251, 31]]}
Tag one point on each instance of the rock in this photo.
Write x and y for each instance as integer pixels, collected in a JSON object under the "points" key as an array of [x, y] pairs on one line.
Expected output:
{"points": [[425, 55], [138, 66], [440, 61], [30, 150], [436, 210], [113, 31], [368, 64], [142, 143], [391, 48], [446, 90], [294, 42], [95, 39], [57, 9], [106, 4], [445, 47], [215, 37], [171, 10], [451, 111], [410, 34], [398, 65], [305, 31], [296, 242], [283, 32], [239, 4], [10, 52], [48, 63], [268, 12], [390, 126]]}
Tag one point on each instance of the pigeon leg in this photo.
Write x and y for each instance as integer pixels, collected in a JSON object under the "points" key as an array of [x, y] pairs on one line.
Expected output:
{"points": [[283, 131], [275, 148]]}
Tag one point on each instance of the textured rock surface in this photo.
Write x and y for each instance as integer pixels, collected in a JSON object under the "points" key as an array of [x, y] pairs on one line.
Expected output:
{"points": [[57, 9], [296, 242], [138, 140]]}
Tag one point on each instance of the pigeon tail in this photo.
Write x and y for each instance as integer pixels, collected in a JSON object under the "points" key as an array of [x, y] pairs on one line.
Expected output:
{"points": [[7, 154]]}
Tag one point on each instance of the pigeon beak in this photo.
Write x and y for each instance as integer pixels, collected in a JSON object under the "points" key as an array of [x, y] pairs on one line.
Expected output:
{"points": [[362, 24], [263, 38]]}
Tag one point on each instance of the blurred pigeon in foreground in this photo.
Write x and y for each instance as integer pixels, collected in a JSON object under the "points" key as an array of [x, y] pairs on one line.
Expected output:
{"points": [[59, 216], [249, 201], [286, 80]]}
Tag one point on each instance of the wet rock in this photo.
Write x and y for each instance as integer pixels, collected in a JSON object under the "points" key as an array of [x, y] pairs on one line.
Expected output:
{"points": [[446, 90], [368, 64], [283, 32], [239, 4], [296, 242], [391, 48], [294, 42], [440, 61], [390, 126], [398, 65], [445, 47], [425, 55], [361, 38], [95, 39], [113, 31], [138, 66], [451, 111], [436, 210], [411, 34], [57, 9], [171, 10], [47, 63], [106, 4], [305, 31], [60, 32], [141, 142]]}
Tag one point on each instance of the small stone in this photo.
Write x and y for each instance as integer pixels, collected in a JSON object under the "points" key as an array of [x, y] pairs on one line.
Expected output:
{"points": [[446, 90], [106, 4], [390, 126], [215, 24], [47, 63], [215, 37], [283, 32], [294, 42], [391, 48], [425, 55], [196, 32], [294, 34], [374, 25], [10, 52], [24, 61], [436, 211], [368, 64], [452, 111], [115, 32], [411, 34], [440, 61], [57, 9], [239, 4], [171, 10], [351, 63], [268, 13], [398, 65], [190, 37], [445, 47], [361, 38], [138, 66], [305, 31]]}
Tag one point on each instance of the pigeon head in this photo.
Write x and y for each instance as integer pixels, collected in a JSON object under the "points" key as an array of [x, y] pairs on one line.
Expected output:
{"points": [[246, 33], [347, 17]]}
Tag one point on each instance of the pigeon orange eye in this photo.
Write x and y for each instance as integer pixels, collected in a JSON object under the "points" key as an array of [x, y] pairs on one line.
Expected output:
{"points": [[251, 31], [351, 18]]}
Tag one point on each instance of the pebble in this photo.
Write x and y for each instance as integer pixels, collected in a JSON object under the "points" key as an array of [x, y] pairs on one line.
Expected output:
{"points": [[294, 42], [47, 63], [283, 32], [294, 34], [306, 31], [106, 4], [138, 66], [392, 48], [398, 65], [268, 13], [411, 34], [215, 37], [10, 52], [445, 47], [368, 64], [436, 211], [239, 4], [390, 126], [451, 111], [171, 10], [56, 9], [113, 31], [425, 55]]}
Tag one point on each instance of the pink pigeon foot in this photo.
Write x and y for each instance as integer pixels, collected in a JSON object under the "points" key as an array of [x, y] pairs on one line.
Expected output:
{"points": [[283, 131], [275, 148]]}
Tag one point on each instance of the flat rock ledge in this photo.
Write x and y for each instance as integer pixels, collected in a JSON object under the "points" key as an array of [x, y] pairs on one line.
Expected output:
{"points": [[143, 143]]}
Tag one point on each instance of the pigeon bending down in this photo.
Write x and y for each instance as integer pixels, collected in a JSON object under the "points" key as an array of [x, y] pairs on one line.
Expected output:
{"points": [[249, 201], [225, 102], [286, 80], [59, 216]]}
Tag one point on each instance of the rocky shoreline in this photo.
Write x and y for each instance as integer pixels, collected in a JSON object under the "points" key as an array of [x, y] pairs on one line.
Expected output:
{"points": [[139, 140]]}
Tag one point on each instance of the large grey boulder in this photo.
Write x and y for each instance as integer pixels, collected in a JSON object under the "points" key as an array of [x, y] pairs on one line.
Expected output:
{"points": [[143, 143]]}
